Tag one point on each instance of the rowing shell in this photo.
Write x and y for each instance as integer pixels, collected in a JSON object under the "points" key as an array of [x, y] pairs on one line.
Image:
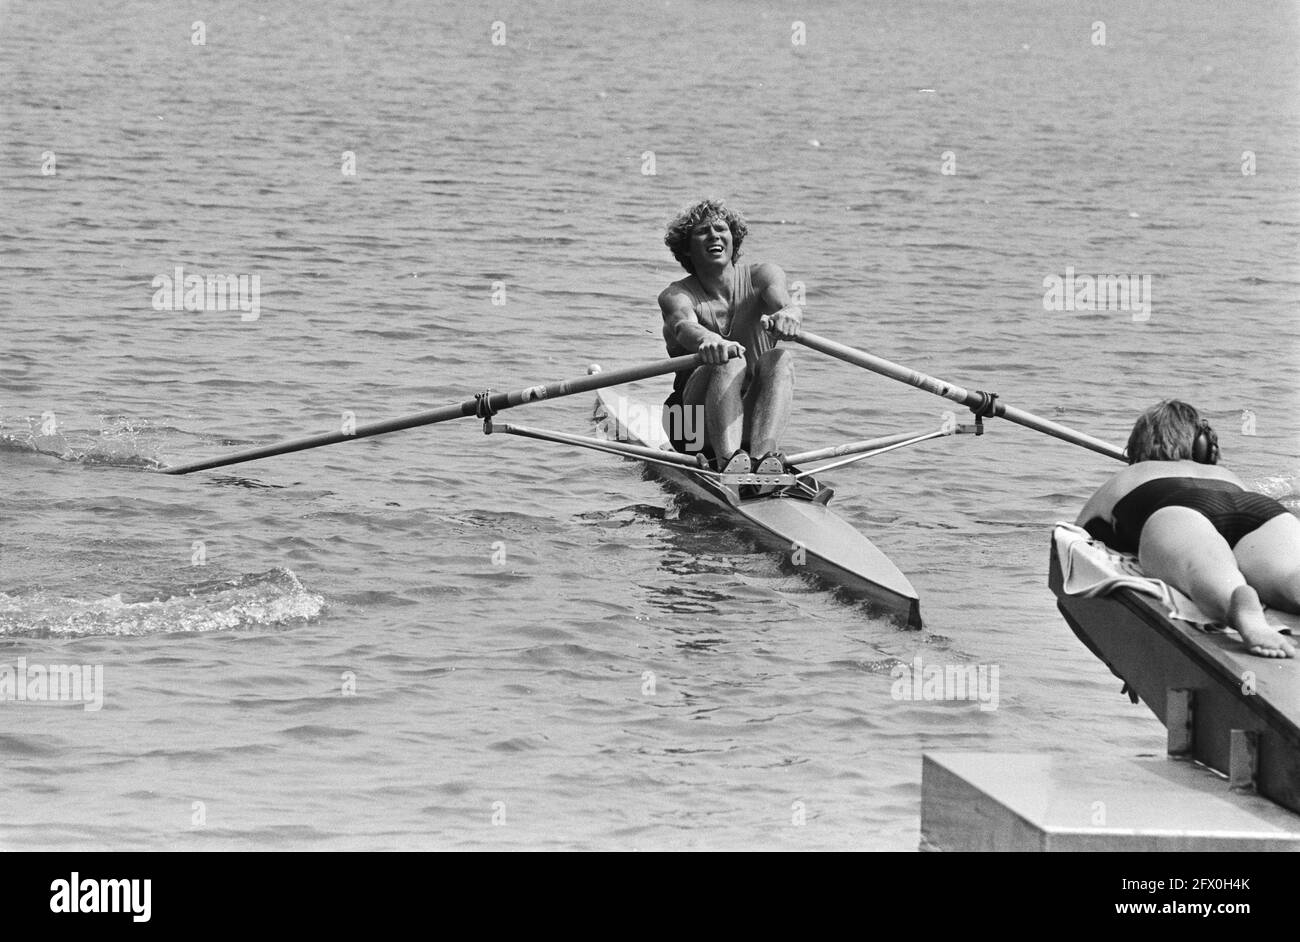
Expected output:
{"points": [[824, 541]]}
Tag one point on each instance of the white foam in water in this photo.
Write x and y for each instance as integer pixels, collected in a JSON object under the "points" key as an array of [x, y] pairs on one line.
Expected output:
{"points": [[1281, 487], [119, 442], [268, 599]]}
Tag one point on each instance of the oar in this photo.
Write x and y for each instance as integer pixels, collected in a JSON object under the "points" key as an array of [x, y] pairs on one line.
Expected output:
{"points": [[951, 391], [496, 402]]}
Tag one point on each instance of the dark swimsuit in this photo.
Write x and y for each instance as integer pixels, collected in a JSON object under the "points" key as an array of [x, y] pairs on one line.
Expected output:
{"points": [[1232, 510]]}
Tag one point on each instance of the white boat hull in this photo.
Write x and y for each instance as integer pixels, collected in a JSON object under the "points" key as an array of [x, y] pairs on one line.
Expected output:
{"points": [[811, 536]]}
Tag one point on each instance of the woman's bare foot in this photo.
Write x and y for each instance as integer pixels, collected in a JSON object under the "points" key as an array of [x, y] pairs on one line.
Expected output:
{"points": [[1246, 615]]}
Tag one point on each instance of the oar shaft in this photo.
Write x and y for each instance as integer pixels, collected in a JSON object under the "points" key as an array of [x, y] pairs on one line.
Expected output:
{"points": [[956, 393], [886, 368], [497, 402], [1063, 432]]}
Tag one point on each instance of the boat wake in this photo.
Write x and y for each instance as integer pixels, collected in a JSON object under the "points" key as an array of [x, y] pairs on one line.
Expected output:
{"points": [[120, 442], [271, 599], [630, 515]]}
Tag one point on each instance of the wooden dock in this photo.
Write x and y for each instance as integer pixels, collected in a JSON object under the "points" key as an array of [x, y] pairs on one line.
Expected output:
{"points": [[1064, 802]]}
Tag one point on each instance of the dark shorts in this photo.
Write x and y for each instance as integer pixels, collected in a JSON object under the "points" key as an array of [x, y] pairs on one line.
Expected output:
{"points": [[675, 428]]}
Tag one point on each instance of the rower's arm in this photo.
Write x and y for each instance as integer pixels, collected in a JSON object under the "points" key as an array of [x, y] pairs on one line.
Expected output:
{"points": [[680, 322], [770, 282]]}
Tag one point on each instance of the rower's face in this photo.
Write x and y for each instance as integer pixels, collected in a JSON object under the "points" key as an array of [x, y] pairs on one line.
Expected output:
{"points": [[711, 242]]}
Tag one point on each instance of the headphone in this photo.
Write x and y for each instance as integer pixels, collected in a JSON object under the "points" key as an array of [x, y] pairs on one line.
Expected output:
{"points": [[1205, 447]]}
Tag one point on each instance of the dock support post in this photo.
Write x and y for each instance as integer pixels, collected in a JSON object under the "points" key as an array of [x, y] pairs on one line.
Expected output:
{"points": [[1243, 759], [1180, 707]]}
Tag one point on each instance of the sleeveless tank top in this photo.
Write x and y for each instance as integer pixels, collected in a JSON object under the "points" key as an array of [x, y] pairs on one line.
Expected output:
{"points": [[744, 325]]}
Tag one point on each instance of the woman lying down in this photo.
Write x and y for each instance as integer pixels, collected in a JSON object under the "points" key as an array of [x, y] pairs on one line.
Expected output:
{"points": [[1195, 526]]}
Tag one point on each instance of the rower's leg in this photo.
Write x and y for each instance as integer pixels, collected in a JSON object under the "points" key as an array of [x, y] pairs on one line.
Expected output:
{"points": [[1182, 547], [767, 405], [1270, 559], [715, 389]]}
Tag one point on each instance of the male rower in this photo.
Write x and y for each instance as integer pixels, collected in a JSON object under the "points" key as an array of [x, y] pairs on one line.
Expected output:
{"points": [[746, 384]]}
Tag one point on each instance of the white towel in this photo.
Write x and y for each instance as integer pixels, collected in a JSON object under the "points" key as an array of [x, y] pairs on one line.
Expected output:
{"points": [[1092, 568]]}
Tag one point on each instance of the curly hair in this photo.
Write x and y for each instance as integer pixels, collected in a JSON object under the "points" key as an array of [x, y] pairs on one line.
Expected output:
{"points": [[1167, 432], [678, 237]]}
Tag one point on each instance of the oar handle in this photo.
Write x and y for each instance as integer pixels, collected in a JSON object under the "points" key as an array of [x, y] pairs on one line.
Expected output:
{"points": [[495, 403], [956, 393]]}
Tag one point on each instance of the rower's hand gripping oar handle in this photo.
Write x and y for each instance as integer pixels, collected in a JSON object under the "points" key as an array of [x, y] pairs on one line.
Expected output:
{"points": [[766, 323], [735, 351]]}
